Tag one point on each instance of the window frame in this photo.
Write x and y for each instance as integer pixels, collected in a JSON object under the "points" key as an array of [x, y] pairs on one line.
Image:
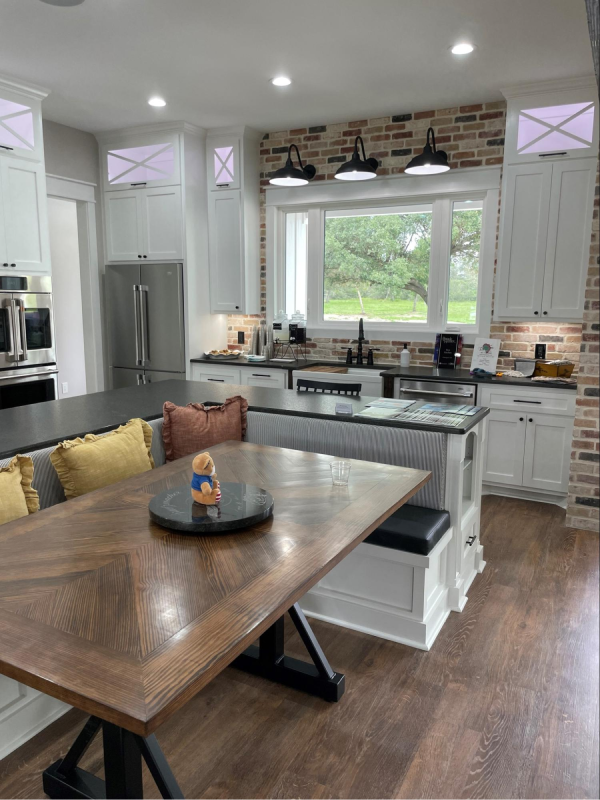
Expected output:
{"points": [[479, 183]]}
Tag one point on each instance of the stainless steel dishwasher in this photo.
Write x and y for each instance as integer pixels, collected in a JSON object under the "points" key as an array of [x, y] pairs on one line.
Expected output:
{"points": [[437, 392]]}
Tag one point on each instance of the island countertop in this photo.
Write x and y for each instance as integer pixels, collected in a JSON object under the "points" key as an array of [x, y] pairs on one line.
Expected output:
{"points": [[33, 427]]}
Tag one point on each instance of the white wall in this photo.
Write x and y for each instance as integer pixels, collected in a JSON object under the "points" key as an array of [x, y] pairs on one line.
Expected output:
{"points": [[66, 289]]}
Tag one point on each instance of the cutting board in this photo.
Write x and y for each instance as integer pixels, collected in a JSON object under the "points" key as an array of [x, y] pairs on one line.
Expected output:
{"points": [[324, 368]]}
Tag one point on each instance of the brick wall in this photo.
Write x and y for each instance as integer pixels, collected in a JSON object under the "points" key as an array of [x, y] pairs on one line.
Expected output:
{"points": [[584, 495]]}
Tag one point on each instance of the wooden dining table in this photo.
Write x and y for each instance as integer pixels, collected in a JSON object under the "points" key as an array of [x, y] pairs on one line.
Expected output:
{"points": [[105, 610]]}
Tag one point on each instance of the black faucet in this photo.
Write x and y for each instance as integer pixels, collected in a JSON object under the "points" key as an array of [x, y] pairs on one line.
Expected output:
{"points": [[359, 350]]}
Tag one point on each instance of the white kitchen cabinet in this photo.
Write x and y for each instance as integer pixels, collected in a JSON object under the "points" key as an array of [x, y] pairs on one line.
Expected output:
{"points": [[144, 223], [267, 378], [545, 234], [547, 452], [233, 221], [216, 373], [529, 439], [24, 241], [505, 448], [141, 159], [21, 121]]}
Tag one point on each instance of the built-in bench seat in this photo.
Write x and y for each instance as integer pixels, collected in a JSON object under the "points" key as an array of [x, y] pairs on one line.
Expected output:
{"points": [[410, 528]]}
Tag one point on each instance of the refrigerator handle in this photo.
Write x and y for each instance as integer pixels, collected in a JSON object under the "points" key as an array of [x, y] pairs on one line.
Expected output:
{"points": [[11, 330], [136, 316], [145, 334]]}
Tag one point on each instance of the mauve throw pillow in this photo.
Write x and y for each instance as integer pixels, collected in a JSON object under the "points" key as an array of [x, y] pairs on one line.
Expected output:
{"points": [[193, 428]]}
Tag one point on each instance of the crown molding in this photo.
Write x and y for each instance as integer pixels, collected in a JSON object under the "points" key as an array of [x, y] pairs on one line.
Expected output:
{"points": [[542, 87], [156, 127], [28, 89], [236, 130]]}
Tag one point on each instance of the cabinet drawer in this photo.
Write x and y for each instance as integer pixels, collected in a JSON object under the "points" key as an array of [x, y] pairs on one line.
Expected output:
{"points": [[216, 374], [275, 378], [538, 400]]}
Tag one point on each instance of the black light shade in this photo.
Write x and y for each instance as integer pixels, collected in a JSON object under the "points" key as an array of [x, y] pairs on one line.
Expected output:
{"points": [[357, 168], [431, 161], [291, 175]]}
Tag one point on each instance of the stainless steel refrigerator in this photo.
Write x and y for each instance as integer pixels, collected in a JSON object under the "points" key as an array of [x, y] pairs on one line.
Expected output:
{"points": [[145, 318]]}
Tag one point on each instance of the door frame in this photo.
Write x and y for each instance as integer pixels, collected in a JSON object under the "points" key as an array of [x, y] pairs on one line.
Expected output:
{"points": [[84, 195]]}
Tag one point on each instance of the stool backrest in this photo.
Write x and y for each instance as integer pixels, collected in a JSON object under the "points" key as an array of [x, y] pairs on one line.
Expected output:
{"points": [[303, 385]]}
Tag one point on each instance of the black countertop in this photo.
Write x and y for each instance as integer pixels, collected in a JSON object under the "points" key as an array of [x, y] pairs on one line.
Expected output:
{"points": [[41, 425], [389, 371], [464, 376]]}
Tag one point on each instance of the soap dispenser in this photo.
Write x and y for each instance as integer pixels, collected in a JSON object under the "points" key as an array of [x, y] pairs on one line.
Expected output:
{"points": [[405, 356]]}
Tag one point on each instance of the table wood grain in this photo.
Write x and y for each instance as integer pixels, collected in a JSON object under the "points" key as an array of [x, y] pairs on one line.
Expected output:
{"points": [[125, 620]]}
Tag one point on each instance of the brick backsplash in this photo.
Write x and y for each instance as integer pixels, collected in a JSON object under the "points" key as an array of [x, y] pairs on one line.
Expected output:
{"points": [[472, 136]]}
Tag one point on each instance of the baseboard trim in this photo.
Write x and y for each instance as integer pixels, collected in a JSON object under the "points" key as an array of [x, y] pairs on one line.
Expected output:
{"points": [[525, 494]]}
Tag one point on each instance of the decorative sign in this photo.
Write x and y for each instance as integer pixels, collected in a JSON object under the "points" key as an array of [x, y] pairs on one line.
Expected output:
{"points": [[449, 350], [485, 355]]}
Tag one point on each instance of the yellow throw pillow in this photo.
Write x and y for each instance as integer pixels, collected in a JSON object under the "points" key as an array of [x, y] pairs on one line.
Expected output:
{"points": [[17, 497], [86, 464]]}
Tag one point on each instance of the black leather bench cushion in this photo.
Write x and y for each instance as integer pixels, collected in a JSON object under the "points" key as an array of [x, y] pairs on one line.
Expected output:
{"points": [[413, 529]]}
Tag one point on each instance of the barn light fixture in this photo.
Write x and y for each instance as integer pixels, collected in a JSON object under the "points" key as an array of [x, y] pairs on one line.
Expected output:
{"points": [[431, 161], [357, 168], [291, 175]]}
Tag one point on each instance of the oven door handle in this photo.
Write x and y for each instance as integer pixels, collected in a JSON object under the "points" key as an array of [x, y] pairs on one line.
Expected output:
{"points": [[439, 394], [22, 329]]}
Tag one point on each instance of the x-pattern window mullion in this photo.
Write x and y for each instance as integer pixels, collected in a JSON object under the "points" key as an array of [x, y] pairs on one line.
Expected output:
{"points": [[551, 128], [142, 163]]}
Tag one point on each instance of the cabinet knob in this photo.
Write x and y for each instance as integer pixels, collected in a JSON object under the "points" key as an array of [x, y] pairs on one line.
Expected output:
{"points": [[237, 308], [145, 256], [545, 312], [521, 419], [140, 257], [5, 264], [536, 313], [530, 419], [13, 265]]}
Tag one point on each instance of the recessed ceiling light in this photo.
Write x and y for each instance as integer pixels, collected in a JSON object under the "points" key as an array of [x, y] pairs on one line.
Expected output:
{"points": [[281, 80], [462, 49], [63, 2], [157, 102]]}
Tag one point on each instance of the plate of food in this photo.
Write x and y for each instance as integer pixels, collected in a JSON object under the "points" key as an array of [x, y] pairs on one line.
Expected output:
{"points": [[223, 355]]}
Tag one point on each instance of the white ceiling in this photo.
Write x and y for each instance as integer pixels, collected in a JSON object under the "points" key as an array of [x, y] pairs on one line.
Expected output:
{"points": [[349, 59]]}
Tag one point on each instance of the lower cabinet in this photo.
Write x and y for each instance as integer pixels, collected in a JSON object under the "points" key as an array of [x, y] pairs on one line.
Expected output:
{"points": [[250, 375], [529, 447]]}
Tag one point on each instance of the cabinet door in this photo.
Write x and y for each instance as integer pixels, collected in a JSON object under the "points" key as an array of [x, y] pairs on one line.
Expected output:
{"points": [[141, 161], [224, 163], [20, 126], [226, 252], [162, 223], [569, 233], [3, 252], [523, 235], [25, 217], [124, 240], [273, 379], [505, 448], [547, 452]]}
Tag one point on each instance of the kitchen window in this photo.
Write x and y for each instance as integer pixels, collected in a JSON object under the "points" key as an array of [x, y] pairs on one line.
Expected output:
{"points": [[409, 266]]}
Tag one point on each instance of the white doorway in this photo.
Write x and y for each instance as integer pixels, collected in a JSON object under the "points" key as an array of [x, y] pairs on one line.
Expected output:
{"points": [[66, 296]]}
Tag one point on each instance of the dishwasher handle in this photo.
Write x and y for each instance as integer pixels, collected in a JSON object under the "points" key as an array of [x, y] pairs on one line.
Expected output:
{"points": [[439, 394]]}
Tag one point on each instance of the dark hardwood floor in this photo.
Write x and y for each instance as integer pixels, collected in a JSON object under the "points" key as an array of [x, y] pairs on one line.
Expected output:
{"points": [[505, 705]]}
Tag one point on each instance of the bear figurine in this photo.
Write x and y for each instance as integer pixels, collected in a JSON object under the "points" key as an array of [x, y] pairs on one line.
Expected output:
{"points": [[205, 486]]}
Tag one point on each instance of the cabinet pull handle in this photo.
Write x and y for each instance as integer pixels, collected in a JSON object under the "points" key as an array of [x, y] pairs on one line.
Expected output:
{"points": [[6, 147], [471, 539], [529, 402], [549, 155], [217, 380], [259, 375], [138, 184]]}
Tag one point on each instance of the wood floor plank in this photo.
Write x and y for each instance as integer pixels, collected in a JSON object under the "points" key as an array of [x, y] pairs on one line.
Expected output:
{"points": [[505, 705]]}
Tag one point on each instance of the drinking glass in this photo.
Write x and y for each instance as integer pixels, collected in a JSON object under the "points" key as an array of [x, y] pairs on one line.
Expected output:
{"points": [[340, 472]]}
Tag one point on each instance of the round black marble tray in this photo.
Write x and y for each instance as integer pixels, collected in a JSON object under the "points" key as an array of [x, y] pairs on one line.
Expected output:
{"points": [[241, 505]]}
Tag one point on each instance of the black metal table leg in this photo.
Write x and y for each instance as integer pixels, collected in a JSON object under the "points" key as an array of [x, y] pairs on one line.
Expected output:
{"points": [[123, 753], [269, 661]]}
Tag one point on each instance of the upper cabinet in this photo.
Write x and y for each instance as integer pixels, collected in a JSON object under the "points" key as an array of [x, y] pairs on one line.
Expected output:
{"points": [[24, 236], [141, 160], [551, 120], [233, 221], [547, 206]]}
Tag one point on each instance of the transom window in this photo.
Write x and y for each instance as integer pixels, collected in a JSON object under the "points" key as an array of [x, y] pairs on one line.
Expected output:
{"points": [[16, 125], [146, 163]]}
